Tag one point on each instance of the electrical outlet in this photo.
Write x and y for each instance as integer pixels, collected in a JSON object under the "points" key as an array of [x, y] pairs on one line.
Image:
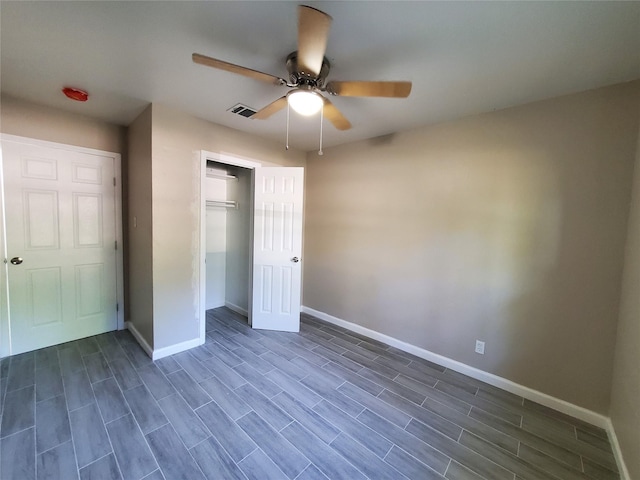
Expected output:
{"points": [[479, 347]]}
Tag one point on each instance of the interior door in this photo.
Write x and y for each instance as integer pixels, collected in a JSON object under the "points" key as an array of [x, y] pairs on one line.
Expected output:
{"points": [[60, 219], [277, 248]]}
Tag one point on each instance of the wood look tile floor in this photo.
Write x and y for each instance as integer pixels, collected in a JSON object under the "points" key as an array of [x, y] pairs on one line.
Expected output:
{"points": [[322, 404]]}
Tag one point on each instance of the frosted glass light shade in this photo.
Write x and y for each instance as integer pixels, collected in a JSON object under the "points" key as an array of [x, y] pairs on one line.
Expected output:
{"points": [[305, 102]]}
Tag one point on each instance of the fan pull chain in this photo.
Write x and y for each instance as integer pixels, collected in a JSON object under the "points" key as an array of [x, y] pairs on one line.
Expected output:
{"points": [[287, 141], [320, 152]]}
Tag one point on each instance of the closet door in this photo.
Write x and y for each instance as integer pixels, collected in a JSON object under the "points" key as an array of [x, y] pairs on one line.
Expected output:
{"points": [[277, 248]]}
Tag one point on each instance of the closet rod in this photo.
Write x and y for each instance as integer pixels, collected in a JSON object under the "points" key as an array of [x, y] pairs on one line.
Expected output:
{"points": [[222, 203], [221, 176]]}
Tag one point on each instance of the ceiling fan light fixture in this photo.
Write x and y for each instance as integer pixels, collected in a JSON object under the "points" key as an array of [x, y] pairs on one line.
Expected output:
{"points": [[305, 102]]}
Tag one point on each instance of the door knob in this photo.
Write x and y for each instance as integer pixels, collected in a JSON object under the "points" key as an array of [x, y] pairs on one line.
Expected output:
{"points": [[295, 259], [16, 260]]}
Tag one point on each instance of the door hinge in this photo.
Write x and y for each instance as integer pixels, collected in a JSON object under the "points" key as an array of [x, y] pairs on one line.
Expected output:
{"points": [[117, 307], [116, 244], [114, 181]]}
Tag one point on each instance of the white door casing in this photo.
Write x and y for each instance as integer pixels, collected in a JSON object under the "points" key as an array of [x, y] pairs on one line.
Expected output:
{"points": [[62, 220], [277, 248]]}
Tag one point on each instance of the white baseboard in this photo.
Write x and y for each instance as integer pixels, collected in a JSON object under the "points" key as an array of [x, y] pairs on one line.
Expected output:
{"points": [[177, 348], [500, 382], [617, 452], [138, 336], [236, 309], [165, 351]]}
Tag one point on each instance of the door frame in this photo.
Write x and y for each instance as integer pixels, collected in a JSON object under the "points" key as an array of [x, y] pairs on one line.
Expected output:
{"points": [[5, 316]]}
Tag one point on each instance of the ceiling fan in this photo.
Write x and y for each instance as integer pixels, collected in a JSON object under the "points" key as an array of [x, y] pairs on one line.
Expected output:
{"points": [[308, 69]]}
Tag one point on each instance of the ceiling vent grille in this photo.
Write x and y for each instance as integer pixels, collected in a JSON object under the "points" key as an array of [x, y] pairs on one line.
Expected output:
{"points": [[242, 110]]}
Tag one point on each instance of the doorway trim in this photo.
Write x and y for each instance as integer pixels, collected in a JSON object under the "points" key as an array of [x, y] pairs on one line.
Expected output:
{"points": [[227, 159], [5, 318]]}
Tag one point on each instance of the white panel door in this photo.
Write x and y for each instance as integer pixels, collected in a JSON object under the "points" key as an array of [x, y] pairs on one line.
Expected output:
{"points": [[277, 248], [60, 214]]}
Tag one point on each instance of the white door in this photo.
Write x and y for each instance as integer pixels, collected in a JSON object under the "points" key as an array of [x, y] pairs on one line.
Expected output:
{"points": [[60, 219], [277, 248]]}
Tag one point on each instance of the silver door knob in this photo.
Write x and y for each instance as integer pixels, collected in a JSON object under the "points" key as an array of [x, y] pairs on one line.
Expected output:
{"points": [[295, 259], [16, 260]]}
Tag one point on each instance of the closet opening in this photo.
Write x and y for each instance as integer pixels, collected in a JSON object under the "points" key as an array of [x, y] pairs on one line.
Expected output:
{"points": [[229, 210], [250, 242]]}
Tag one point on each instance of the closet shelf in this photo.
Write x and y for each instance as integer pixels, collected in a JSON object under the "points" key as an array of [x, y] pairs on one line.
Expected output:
{"points": [[221, 176], [222, 203]]}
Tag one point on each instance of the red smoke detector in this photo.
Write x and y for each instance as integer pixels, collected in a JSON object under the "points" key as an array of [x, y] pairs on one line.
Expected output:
{"points": [[76, 94]]}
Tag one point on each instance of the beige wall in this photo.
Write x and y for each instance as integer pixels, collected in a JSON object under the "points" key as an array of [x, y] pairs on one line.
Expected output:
{"points": [[625, 392], [31, 120], [177, 139], [139, 227], [508, 227]]}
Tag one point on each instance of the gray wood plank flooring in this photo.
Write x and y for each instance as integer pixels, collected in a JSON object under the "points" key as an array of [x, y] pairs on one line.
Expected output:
{"points": [[323, 403]]}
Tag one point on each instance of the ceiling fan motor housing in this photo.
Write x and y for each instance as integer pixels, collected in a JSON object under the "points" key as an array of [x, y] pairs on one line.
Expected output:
{"points": [[300, 78]]}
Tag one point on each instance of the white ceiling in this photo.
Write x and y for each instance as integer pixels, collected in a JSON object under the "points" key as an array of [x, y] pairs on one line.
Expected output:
{"points": [[462, 57]]}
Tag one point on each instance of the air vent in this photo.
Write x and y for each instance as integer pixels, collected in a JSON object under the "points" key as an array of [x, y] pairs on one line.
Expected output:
{"points": [[242, 110]]}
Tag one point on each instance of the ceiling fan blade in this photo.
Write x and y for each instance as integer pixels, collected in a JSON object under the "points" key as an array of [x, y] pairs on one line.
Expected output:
{"points": [[230, 67], [270, 109], [313, 30], [335, 116], [369, 89]]}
